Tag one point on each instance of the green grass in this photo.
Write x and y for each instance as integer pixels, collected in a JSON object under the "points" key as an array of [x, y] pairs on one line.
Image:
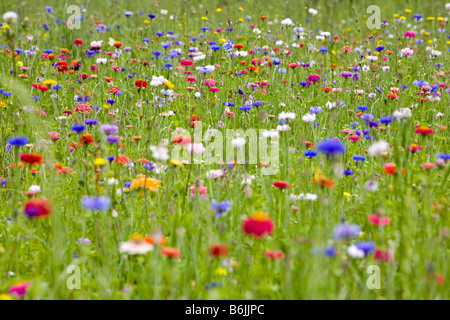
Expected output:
{"points": [[417, 201]]}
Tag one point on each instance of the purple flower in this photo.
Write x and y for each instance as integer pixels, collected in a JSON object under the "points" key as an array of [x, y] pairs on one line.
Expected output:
{"points": [[346, 230]]}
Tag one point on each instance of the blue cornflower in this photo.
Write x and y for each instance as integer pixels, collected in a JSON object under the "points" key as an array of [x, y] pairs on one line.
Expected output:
{"points": [[346, 230], [220, 208], [151, 16], [310, 153], [379, 49], [17, 141], [444, 156], [91, 122], [331, 147], [331, 251], [357, 158], [245, 108], [78, 128], [315, 110], [96, 203], [363, 108], [348, 172], [228, 45], [386, 120], [367, 117], [366, 246]]}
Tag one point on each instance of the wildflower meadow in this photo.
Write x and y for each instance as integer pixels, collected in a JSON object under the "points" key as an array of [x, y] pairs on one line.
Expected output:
{"points": [[224, 150]]}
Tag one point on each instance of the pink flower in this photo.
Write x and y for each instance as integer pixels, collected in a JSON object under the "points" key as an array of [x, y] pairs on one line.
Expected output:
{"points": [[428, 165], [210, 83], [19, 289], [379, 221]]}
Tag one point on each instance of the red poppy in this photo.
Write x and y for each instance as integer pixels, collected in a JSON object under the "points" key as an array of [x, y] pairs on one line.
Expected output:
{"points": [[31, 158], [78, 42], [37, 207], [140, 84], [218, 250]]}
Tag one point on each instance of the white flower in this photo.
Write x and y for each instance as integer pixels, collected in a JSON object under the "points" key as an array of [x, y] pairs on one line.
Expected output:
{"points": [[164, 11], [257, 31], [378, 148], [209, 68], [34, 189], [135, 247], [302, 196], [402, 114], [286, 115], [196, 148], [439, 115], [199, 57], [435, 53], [279, 42], [238, 142], [283, 127], [372, 58], [371, 185], [10, 16], [247, 179], [270, 134], [354, 252], [160, 152], [330, 105], [157, 81], [197, 95], [447, 6], [241, 53], [309, 117], [312, 11], [365, 68], [325, 33], [385, 68], [101, 60], [286, 22], [214, 174]]}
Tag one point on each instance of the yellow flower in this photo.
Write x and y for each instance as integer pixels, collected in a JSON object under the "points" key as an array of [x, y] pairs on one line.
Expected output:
{"points": [[221, 271], [219, 10], [5, 26], [241, 20], [147, 21], [105, 106], [440, 19], [4, 296], [408, 10], [241, 9], [99, 162], [176, 163], [169, 84], [426, 33], [19, 64], [204, 18], [402, 18], [347, 195], [430, 18], [149, 183], [396, 15], [49, 82], [2, 104]]}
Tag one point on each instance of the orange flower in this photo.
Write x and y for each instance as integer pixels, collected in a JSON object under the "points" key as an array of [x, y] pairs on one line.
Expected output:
{"points": [[171, 252], [151, 184], [123, 159], [390, 168], [86, 139], [149, 240]]}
